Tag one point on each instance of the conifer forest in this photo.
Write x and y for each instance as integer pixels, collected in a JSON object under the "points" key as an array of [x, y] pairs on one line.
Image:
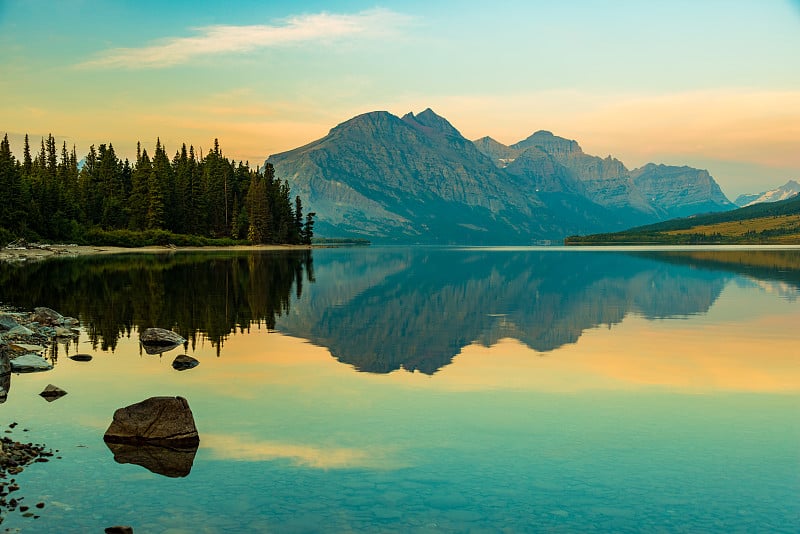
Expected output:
{"points": [[190, 199]]}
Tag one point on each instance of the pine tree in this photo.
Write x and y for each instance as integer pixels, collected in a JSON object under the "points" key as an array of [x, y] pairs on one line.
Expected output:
{"points": [[138, 200]]}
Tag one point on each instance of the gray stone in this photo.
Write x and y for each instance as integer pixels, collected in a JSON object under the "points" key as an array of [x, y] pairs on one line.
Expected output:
{"points": [[30, 363], [69, 322], [46, 316], [51, 393], [19, 331], [7, 323], [65, 332], [183, 362], [24, 348], [159, 340], [166, 421], [5, 376]]}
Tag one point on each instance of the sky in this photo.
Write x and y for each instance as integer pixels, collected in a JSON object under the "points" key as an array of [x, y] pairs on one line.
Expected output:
{"points": [[711, 84]]}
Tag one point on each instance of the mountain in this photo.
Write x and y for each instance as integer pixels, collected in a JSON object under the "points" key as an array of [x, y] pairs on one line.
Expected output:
{"points": [[787, 190], [763, 223], [679, 191], [417, 179]]}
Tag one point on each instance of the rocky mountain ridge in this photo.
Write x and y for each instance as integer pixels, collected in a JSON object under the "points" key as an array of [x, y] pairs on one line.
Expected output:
{"points": [[417, 179], [787, 190]]}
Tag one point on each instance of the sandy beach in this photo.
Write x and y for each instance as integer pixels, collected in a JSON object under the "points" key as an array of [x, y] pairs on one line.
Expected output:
{"points": [[35, 251]]}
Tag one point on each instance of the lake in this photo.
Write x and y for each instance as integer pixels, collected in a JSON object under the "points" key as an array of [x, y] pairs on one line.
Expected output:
{"points": [[425, 390]]}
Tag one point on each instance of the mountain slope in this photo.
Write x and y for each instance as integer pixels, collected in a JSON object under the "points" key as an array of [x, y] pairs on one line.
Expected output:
{"points": [[680, 191], [787, 190], [417, 179], [764, 223]]}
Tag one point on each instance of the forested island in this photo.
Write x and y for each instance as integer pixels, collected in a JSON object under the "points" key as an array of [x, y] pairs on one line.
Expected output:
{"points": [[101, 199]]}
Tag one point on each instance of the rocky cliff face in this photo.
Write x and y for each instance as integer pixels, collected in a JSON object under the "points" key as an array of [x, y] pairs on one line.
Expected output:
{"points": [[604, 181], [412, 179], [417, 179], [680, 191]]}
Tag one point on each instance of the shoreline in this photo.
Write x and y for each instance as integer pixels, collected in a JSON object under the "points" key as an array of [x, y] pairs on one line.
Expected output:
{"points": [[35, 251]]}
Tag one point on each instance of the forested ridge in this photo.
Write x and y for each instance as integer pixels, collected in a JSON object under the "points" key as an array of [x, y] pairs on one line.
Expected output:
{"points": [[102, 199]]}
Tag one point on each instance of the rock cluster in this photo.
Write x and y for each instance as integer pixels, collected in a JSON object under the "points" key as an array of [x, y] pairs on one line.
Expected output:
{"points": [[24, 339], [14, 457]]}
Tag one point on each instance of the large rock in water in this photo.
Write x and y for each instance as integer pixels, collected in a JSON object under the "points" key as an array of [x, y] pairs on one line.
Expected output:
{"points": [[159, 340], [161, 337], [164, 421]]}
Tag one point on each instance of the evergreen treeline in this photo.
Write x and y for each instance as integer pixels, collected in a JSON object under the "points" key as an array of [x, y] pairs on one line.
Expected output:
{"points": [[107, 200], [206, 295]]}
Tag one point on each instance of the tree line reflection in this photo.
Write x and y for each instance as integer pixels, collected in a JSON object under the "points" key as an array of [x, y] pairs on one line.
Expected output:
{"points": [[195, 294], [380, 310]]}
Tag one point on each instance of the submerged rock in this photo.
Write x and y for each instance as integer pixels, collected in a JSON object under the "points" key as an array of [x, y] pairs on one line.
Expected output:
{"points": [[119, 530], [182, 362], [30, 363], [165, 421], [173, 462], [81, 357], [51, 393]]}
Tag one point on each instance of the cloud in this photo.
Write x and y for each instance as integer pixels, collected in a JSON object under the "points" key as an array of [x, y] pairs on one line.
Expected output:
{"points": [[246, 449], [222, 39]]}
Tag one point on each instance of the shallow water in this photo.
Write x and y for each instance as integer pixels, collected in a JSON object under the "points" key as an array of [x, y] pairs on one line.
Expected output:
{"points": [[427, 389]]}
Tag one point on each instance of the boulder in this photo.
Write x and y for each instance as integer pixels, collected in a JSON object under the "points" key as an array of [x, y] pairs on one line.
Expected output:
{"points": [[47, 316], [51, 393], [30, 363], [171, 462], [24, 348], [183, 362], [158, 340], [81, 357], [19, 331], [160, 337], [5, 376], [7, 323], [165, 421]]}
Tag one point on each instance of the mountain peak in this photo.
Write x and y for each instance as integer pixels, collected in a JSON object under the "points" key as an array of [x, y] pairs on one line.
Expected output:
{"points": [[552, 144], [369, 119], [428, 119], [787, 190]]}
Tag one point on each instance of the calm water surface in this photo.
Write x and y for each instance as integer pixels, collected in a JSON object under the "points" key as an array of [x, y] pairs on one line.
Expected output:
{"points": [[400, 389]]}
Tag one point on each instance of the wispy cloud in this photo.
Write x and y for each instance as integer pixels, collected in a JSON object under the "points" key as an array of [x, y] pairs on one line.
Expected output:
{"points": [[247, 449], [225, 39]]}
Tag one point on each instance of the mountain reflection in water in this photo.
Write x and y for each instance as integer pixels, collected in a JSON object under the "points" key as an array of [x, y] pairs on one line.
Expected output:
{"points": [[384, 309]]}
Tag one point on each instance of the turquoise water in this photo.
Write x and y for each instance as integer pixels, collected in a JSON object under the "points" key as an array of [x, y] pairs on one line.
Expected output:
{"points": [[428, 390]]}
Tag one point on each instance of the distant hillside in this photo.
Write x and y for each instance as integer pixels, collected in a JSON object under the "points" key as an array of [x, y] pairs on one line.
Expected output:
{"points": [[764, 223], [787, 190], [416, 179]]}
